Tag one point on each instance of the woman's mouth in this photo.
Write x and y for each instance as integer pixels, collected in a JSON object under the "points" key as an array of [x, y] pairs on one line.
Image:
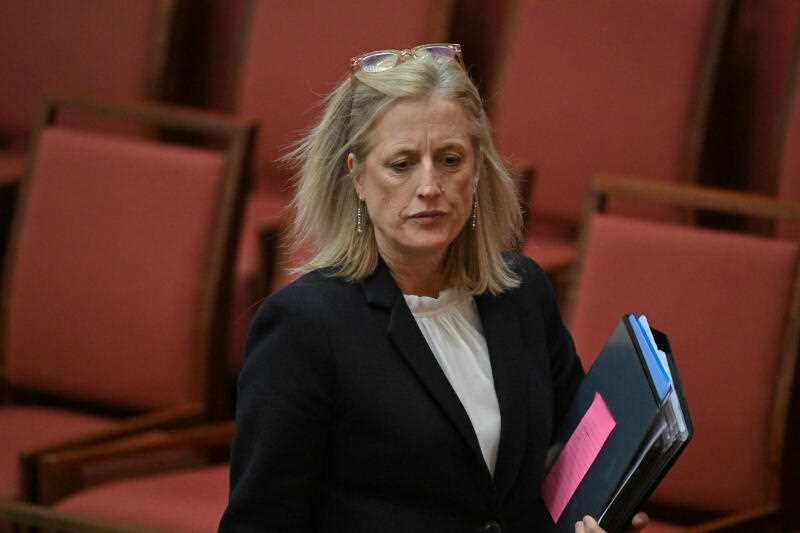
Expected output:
{"points": [[427, 217]]}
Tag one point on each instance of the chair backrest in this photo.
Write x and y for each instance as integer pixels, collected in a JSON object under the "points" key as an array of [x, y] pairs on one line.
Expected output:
{"points": [[292, 57], [106, 48], [789, 170], [605, 87], [755, 140], [729, 303], [116, 284], [756, 77]]}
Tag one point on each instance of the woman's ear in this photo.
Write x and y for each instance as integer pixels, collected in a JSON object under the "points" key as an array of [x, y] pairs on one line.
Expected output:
{"points": [[351, 164]]}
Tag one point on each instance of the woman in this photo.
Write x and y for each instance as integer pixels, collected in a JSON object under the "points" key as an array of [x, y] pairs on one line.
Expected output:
{"points": [[412, 379]]}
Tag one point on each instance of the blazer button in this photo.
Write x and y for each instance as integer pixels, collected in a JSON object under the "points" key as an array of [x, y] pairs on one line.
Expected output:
{"points": [[492, 527]]}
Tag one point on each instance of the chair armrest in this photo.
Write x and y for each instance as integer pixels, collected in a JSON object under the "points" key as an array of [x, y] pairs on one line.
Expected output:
{"points": [[161, 115], [61, 472], [692, 196], [25, 514], [204, 436], [766, 518], [177, 417]]}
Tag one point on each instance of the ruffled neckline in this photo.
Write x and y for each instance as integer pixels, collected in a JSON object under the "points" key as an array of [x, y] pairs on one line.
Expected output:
{"points": [[427, 305]]}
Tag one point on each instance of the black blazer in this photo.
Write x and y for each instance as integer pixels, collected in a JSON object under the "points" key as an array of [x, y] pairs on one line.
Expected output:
{"points": [[345, 421]]}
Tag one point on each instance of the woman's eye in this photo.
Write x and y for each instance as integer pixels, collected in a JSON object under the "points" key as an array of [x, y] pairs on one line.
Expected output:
{"points": [[451, 160], [399, 166]]}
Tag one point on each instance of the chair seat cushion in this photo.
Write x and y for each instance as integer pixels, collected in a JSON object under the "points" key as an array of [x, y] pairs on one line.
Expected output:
{"points": [[184, 500], [29, 428]]}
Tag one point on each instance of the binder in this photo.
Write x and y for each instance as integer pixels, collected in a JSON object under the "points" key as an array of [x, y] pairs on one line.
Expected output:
{"points": [[626, 426]]}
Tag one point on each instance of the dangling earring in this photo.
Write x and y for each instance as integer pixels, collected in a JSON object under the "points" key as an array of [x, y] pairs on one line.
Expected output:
{"points": [[359, 227], [475, 207]]}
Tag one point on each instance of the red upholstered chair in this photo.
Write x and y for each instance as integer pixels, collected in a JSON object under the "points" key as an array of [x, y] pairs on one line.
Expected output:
{"points": [[113, 49], [730, 304], [178, 500], [754, 130], [291, 58], [757, 71], [110, 48], [601, 87], [114, 304]]}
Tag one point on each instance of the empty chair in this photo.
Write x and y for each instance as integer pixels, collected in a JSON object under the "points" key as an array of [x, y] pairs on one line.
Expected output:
{"points": [[757, 71], [751, 117], [114, 305], [729, 302], [114, 49], [105, 48], [601, 87], [189, 500]]}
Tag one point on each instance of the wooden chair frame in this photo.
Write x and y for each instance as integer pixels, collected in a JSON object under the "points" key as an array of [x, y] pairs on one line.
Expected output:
{"points": [[211, 318], [695, 198], [779, 138]]}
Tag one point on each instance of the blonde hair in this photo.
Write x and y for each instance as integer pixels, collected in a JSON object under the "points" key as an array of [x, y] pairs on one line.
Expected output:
{"points": [[325, 200]]}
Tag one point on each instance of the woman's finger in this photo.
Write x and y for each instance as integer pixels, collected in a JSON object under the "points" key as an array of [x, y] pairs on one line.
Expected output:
{"points": [[588, 525], [640, 521]]}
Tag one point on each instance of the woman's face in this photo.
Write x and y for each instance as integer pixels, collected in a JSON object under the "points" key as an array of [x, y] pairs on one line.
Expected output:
{"points": [[418, 178]]}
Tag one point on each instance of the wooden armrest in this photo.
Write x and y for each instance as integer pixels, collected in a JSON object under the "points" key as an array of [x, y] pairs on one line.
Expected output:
{"points": [[181, 416], [31, 461], [155, 114], [693, 196], [60, 472], [204, 436], [25, 514], [765, 518]]}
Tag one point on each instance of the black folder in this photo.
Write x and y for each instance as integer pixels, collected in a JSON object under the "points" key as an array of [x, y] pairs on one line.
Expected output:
{"points": [[631, 461]]}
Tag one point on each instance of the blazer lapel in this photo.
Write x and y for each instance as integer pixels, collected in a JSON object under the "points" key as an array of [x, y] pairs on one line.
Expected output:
{"points": [[381, 290], [503, 332]]}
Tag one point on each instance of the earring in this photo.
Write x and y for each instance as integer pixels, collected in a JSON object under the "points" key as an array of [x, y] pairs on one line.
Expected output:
{"points": [[475, 207], [359, 227]]}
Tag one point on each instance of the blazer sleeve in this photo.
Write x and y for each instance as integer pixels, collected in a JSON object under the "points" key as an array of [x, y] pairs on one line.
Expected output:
{"points": [[284, 406]]}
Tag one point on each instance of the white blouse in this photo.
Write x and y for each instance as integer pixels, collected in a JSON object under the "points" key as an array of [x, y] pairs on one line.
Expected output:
{"points": [[452, 327]]}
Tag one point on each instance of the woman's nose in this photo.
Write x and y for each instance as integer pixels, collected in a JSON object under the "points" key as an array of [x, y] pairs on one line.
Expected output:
{"points": [[429, 183]]}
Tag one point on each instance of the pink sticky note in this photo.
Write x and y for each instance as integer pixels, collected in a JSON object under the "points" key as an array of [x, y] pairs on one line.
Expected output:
{"points": [[577, 456]]}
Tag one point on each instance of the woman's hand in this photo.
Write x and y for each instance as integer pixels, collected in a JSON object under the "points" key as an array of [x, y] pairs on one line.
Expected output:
{"points": [[590, 525]]}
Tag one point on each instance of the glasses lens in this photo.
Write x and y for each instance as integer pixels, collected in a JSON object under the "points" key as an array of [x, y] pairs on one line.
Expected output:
{"points": [[436, 52], [379, 62]]}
